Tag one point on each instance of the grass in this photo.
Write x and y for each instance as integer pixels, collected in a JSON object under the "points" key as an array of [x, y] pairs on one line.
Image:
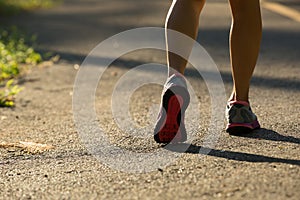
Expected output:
{"points": [[16, 55]]}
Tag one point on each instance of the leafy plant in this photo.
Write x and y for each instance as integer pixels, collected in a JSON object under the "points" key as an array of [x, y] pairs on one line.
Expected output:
{"points": [[7, 94], [15, 55]]}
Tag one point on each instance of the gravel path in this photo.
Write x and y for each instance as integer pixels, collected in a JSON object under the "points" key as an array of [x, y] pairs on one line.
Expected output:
{"points": [[263, 165]]}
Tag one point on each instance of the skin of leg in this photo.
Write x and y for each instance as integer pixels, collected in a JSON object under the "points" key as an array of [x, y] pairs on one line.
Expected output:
{"points": [[245, 38], [183, 16]]}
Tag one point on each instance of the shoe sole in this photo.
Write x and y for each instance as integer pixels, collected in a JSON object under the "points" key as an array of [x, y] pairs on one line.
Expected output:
{"points": [[242, 128], [170, 127]]}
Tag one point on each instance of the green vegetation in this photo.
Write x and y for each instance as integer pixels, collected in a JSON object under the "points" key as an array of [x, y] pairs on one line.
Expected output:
{"points": [[15, 56], [16, 53], [7, 95], [11, 7]]}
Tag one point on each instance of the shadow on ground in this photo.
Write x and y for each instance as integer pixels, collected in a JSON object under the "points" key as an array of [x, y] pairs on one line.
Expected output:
{"points": [[240, 156], [230, 155], [257, 80], [267, 134]]}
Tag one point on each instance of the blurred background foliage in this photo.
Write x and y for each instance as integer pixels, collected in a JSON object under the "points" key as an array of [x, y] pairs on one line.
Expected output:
{"points": [[13, 7]]}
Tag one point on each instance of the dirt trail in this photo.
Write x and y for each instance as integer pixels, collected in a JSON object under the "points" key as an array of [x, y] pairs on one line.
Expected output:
{"points": [[264, 165]]}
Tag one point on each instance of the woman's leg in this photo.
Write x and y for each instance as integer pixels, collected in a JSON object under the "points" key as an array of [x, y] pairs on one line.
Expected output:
{"points": [[183, 17], [245, 37]]}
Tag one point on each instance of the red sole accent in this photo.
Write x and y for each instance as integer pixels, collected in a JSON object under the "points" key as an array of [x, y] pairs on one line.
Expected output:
{"points": [[253, 125], [170, 130], [242, 128]]}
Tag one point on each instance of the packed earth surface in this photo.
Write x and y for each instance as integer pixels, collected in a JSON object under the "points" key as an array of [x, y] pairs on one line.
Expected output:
{"points": [[45, 154]]}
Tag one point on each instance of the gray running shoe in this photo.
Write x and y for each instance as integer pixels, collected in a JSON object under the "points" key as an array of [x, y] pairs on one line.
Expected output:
{"points": [[240, 118], [169, 127]]}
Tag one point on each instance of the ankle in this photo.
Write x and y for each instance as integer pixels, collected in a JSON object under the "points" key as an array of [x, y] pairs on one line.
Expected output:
{"points": [[235, 97]]}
